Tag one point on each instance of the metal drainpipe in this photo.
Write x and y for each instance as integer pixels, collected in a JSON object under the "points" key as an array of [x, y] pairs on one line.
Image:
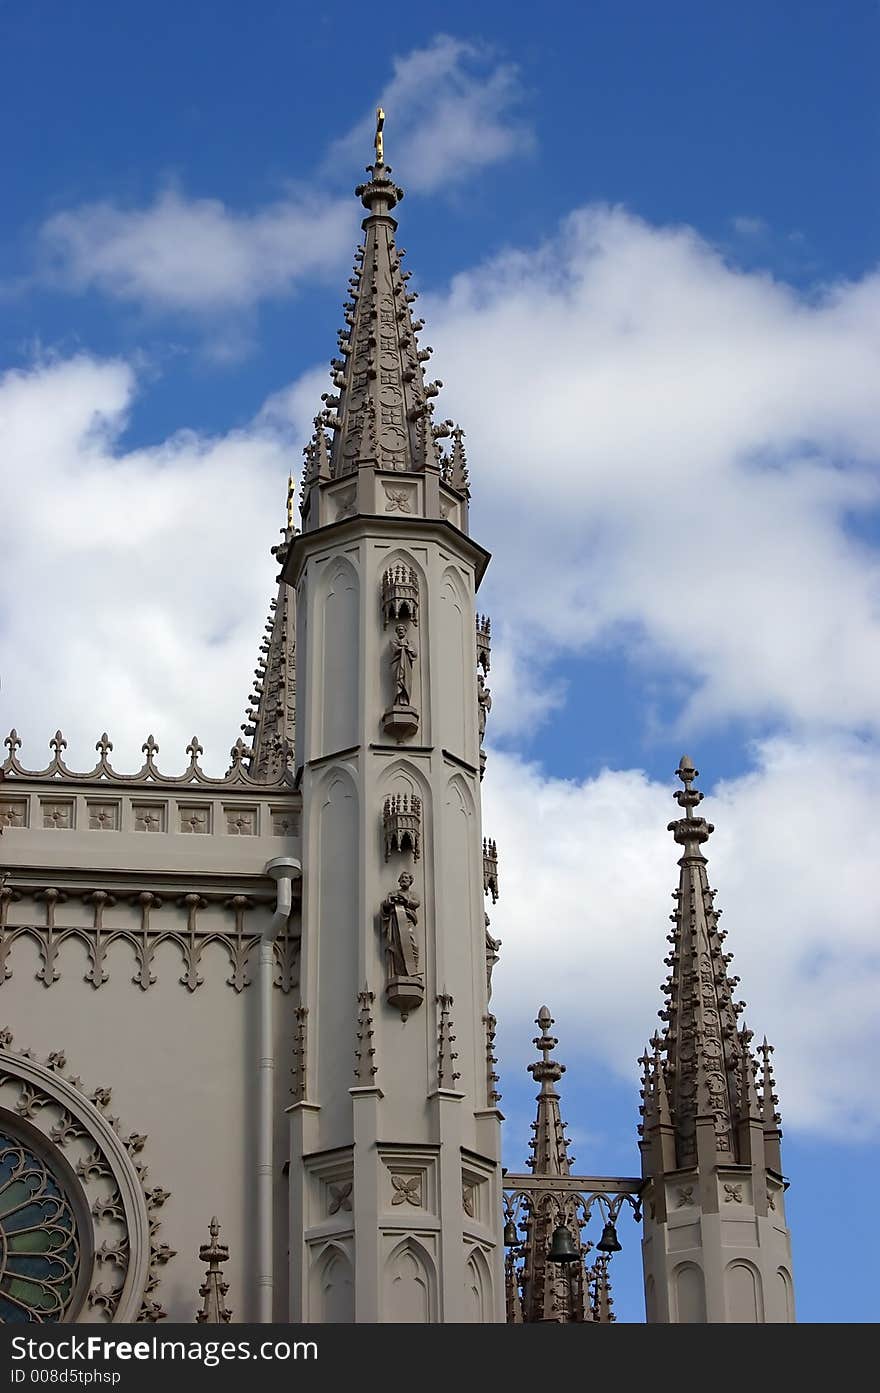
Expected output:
{"points": [[283, 870]]}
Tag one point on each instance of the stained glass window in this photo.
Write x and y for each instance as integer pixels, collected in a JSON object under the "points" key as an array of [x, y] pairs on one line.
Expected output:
{"points": [[39, 1236]]}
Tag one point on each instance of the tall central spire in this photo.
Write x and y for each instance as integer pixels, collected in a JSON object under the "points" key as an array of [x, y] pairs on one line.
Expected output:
{"points": [[380, 411]]}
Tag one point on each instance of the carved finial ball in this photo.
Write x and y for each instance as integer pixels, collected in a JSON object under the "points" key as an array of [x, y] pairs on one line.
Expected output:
{"points": [[544, 1018]]}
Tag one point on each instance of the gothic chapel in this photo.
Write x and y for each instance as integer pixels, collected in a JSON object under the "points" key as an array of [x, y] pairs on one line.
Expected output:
{"points": [[247, 1066]]}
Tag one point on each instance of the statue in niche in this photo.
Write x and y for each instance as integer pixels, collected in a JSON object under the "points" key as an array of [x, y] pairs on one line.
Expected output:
{"points": [[484, 704], [404, 986], [403, 659], [402, 719], [492, 955]]}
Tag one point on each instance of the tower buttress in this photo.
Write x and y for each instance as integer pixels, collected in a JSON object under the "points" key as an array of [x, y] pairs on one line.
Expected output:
{"points": [[395, 1174], [716, 1246]]}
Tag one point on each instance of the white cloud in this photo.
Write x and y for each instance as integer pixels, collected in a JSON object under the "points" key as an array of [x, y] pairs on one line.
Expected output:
{"points": [[452, 109], [196, 254], [135, 583], [586, 872], [678, 445]]}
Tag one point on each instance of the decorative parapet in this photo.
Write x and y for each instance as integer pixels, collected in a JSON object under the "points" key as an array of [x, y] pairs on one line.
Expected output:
{"points": [[236, 776], [402, 824]]}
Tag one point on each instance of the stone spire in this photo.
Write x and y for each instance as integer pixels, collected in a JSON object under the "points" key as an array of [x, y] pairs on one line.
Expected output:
{"points": [[601, 1300], [715, 1242], [703, 1063], [549, 1144], [271, 716], [551, 1291], [213, 1290], [379, 413], [770, 1118]]}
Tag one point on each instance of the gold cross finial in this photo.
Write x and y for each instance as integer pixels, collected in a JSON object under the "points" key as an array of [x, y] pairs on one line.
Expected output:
{"points": [[379, 141]]}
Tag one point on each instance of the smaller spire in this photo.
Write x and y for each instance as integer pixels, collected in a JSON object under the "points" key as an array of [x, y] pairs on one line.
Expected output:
{"points": [[601, 1300], [213, 1290], [549, 1144], [447, 1074], [365, 1068], [770, 1118], [456, 471]]}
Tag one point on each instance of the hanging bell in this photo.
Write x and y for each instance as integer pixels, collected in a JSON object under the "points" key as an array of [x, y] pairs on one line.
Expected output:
{"points": [[562, 1246], [510, 1235], [609, 1242]]}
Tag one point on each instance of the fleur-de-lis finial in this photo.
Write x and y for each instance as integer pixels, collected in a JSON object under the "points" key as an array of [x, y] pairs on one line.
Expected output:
{"points": [[194, 749]]}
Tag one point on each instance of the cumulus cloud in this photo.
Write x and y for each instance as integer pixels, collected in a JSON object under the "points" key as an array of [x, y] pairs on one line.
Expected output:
{"points": [[587, 869], [454, 107], [197, 254], [682, 446], [135, 583]]}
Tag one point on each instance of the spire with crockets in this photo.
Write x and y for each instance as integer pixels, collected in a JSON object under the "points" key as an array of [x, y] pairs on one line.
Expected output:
{"points": [[271, 716], [379, 415], [551, 1291], [716, 1246], [549, 1145], [700, 1104]]}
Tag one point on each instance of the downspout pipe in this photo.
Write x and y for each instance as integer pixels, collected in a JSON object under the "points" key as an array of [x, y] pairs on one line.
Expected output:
{"points": [[284, 870]]}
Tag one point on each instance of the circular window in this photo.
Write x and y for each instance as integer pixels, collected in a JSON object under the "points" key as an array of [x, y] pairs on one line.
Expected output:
{"points": [[44, 1228]]}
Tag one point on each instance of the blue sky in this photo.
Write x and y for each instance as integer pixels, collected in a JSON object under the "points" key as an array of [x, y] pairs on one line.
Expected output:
{"points": [[646, 241]]}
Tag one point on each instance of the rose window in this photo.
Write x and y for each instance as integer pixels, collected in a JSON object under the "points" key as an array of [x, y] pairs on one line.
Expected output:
{"points": [[40, 1238]]}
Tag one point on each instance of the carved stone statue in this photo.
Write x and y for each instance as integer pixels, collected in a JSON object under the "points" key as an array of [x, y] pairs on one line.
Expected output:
{"points": [[403, 658], [399, 921], [401, 720], [484, 704], [492, 955], [404, 986]]}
